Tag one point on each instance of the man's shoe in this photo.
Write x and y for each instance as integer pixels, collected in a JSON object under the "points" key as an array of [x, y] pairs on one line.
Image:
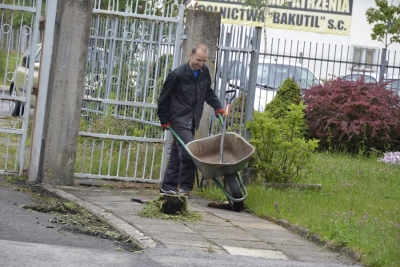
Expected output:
{"points": [[167, 191], [184, 192]]}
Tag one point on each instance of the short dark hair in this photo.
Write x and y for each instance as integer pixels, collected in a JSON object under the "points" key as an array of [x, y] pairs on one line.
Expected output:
{"points": [[200, 46]]}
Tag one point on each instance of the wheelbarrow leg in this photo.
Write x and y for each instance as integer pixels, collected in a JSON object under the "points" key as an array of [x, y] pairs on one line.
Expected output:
{"points": [[199, 181], [232, 186]]}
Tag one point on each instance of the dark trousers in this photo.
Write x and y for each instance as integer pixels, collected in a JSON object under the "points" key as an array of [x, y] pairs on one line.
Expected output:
{"points": [[181, 168]]}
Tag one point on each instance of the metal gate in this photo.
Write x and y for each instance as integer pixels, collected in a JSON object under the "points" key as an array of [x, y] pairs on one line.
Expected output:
{"points": [[131, 50], [19, 30], [238, 52]]}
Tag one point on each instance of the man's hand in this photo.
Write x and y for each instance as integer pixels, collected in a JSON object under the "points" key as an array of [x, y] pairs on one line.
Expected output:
{"points": [[219, 111], [166, 126]]}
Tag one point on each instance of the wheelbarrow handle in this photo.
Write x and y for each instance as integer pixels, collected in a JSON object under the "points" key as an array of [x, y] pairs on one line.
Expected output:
{"points": [[231, 93], [176, 136], [221, 120]]}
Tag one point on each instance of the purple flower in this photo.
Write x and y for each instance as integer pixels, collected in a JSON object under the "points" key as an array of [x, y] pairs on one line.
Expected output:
{"points": [[391, 158]]}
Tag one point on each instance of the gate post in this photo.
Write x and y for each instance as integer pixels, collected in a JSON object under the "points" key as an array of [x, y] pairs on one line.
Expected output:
{"points": [[65, 92], [40, 106], [252, 80], [202, 27]]}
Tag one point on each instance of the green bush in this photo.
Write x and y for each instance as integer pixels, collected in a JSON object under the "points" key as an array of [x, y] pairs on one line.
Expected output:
{"points": [[288, 93], [282, 153]]}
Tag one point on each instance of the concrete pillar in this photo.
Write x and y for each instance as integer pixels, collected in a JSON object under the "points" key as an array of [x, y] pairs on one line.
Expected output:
{"points": [[202, 27], [63, 107]]}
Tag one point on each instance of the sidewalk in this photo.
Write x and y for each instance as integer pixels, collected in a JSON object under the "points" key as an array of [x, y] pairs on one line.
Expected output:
{"points": [[220, 231]]}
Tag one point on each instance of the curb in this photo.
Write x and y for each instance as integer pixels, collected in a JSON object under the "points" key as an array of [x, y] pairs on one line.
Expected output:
{"points": [[142, 240]]}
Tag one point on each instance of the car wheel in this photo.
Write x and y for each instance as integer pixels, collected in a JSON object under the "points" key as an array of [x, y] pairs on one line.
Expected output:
{"points": [[15, 106]]}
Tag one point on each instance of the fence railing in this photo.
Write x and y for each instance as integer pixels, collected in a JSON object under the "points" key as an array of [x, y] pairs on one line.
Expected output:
{"points": [[329, 61]]}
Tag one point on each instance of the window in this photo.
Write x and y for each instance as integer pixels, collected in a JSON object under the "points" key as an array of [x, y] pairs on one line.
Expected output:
{"points": [[364, 57]]}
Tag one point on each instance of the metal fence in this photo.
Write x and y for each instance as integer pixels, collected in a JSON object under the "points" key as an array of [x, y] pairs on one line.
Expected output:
{"points": [[308, 64], [328, 61]]}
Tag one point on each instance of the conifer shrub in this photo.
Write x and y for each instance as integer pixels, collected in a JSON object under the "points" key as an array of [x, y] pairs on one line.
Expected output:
{"points": [[353, 116], [282, 153], [288, 93]]}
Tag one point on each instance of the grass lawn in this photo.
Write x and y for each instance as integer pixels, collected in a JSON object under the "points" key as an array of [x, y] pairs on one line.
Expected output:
{"points": [[358, 206]]}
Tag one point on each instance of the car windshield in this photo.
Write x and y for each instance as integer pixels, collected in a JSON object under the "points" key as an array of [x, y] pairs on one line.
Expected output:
{"points": [[356, 77], [27, 54], [273, 75]]}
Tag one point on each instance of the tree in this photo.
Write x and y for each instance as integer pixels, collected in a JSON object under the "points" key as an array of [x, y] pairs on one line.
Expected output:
{"points": [[386, 22]]}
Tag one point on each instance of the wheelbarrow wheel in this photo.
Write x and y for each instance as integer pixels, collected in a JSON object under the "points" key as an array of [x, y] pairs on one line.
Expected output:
{"points": [[232, 186]]}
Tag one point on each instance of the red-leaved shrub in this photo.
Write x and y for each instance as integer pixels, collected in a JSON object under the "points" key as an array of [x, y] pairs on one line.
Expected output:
{"points": [[350, 116]]}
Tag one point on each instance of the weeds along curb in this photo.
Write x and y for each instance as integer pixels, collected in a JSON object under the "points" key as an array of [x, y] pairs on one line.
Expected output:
{"points": [[138, 237], [305, 233]]}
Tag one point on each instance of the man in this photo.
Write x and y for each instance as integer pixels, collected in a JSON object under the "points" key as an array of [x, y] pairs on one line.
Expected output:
{"points": [[180, 106]]}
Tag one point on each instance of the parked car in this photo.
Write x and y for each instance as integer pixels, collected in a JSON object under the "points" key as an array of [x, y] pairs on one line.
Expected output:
{"points": [[19, 87], [270, 76], [394, 86], [20, 80], [358, 76]]}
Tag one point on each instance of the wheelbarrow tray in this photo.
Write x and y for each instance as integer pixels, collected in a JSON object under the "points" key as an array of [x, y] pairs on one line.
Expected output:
{"points": [[205, 153]]}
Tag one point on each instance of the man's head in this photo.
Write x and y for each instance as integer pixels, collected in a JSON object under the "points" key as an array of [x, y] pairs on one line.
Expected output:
{"points": [[198, 56]]}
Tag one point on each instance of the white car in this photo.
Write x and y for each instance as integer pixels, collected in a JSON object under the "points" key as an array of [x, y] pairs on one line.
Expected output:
{"points": [[97, 61], [19, 86], [270, 76]]}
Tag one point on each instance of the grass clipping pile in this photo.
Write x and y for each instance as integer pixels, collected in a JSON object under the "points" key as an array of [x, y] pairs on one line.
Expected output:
{"points": [[74, 218], [168, 207]]}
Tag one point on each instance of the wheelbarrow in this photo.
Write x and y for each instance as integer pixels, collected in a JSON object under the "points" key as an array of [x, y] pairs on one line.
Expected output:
{"points": [[224, 154]]}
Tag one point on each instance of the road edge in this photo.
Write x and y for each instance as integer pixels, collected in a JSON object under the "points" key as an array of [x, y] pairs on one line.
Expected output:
{"points": [[142, 240]]}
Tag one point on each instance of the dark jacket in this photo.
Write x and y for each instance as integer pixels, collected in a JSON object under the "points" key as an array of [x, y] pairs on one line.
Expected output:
{"points": [[182, 97]]}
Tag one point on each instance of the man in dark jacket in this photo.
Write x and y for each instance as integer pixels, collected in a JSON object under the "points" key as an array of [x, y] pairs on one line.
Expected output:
{"points": [[180, 106]]}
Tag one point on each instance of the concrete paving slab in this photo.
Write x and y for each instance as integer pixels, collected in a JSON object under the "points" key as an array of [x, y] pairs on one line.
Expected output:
{"points": [[168, 229], [278, 237], [237, 217], [137, 220], [212, 228], [229, 236], [265, 225], [210, 219], [243, 244], [209, 249], [117, 204], [101, 199], [268, 254], [199, 242]]}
